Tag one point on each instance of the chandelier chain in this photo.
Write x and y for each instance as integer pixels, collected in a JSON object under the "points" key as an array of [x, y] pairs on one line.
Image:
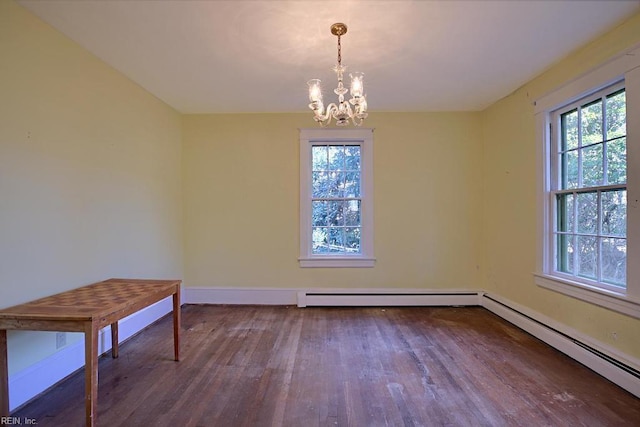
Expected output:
{"points": [[339, 51]]}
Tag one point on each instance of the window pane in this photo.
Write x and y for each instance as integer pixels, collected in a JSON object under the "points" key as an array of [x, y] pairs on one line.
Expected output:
{"points": [[352, 184], [334, 213], [587, 251], [617, 161], [319, 213], [333, 184], [336, 240], [592, 123], [569, 123], [592, 166], [614, 213], [352, 240], [616, 115], [320, 237], [321, 185], [565, 212], [336, 157], [340, 178], [352, 213], [570, 170], [319, 158], [565, 253], [587, 212], [352, 157], [614, 261]]}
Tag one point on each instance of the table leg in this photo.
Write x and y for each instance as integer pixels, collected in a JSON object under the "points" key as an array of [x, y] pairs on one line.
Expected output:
{"points": [[176, 324], [114, 340], [91, 373], [4, 375]]}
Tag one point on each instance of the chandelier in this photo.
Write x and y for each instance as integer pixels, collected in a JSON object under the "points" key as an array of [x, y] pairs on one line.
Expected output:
{"points": [[341, 112]]}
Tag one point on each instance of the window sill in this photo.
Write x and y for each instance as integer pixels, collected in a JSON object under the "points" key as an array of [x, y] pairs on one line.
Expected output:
{"points": [[619, 302], [336, 262]]}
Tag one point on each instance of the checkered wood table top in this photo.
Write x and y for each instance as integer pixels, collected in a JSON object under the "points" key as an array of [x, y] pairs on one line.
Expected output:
{"points": [[91, 301]]}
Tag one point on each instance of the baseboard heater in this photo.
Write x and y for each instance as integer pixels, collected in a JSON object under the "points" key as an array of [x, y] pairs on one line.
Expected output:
{"points": [[611, 368], [380, 299]]}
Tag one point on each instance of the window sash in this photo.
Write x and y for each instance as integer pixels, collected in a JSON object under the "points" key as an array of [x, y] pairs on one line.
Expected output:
{"points": [[565, 263], [566, 234], [559, 143]]}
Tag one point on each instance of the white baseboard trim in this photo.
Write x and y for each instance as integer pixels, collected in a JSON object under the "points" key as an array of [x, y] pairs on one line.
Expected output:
{"points": [[37, 378], [617, 367]]}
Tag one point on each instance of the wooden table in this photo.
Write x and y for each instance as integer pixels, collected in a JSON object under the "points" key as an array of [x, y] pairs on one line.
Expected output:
{"points": [[87, 309]]}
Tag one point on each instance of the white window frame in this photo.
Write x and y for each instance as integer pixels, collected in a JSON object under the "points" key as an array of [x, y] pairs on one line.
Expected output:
{"points": [[626, 68], [363, 138]]}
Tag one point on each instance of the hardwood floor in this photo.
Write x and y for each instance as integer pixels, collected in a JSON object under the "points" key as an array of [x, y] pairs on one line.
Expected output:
{"points": [[284, 366]]}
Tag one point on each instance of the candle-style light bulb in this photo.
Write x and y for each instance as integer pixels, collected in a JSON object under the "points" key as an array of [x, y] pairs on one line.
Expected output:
{"points": [[315, 91], [357, 84]]}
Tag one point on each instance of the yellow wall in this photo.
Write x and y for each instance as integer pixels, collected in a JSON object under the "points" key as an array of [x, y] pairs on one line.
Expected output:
{"points": [[90, 179], [241, 192], [510, 203]]}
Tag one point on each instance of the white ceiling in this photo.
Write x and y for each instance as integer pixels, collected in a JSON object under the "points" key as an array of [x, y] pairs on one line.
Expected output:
{"points": [[256, 56]]}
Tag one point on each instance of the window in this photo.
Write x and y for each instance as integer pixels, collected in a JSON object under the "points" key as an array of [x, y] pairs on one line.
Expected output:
{"points": [[589, 186], [336, 198], [589, 190]]}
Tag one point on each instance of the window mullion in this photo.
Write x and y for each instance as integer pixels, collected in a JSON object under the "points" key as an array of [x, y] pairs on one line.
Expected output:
{"points": [[605, 144], [599, 237], [593, 189], [574, 237], [579, 149]]}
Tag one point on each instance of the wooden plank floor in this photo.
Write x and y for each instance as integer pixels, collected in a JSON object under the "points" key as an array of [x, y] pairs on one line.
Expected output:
{"points": [[284, 366]]}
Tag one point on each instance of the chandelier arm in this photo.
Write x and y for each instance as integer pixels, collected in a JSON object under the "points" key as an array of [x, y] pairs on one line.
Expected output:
{"points": [[358, 121], [348, 109], [329, 112]]}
